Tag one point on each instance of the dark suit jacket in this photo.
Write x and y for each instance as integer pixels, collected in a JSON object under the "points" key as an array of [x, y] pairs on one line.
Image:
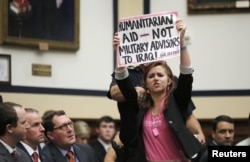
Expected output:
{"points": [[20, 145], [204, 156], [83, 152], [99, 150], [5, 156]]}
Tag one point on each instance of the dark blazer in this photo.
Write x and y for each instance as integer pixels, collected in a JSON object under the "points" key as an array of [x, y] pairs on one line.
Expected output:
{"points": [[175, 115], [204, 156], [5, 156], [20, 145], [126, 109], [83, 152], [99, 150]]}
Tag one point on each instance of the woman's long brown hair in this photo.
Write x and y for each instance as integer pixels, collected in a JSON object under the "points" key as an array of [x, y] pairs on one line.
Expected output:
{"points": [[147, 102]]}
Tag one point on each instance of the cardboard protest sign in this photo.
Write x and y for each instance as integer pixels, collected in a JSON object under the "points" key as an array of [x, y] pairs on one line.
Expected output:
{"points": [[148, 38]]}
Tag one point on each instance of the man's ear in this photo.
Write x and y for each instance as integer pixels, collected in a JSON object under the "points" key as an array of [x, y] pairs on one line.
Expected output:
{"points": [[9, 128]]}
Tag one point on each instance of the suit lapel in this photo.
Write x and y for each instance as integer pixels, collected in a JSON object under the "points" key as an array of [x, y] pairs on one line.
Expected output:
{"points": [[80, 154], [20, 145], [56, 154], [140, 116], [40, 153], [5, 156]]}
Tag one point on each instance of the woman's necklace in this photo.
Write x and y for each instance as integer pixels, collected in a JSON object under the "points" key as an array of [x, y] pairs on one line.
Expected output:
{"points": [[157, 118], [156, 122]]}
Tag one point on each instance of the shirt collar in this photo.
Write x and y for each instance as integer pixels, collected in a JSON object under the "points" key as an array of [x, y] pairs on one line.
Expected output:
{"points": [[8, 147], [29, 149], [64, 152], [105, 145]]}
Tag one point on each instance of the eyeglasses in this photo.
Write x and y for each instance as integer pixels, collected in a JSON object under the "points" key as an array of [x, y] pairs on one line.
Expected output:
{"points": [[65, 126]]}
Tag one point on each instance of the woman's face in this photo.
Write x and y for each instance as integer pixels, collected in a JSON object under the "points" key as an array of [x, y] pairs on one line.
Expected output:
{"points": [[157, 79]]}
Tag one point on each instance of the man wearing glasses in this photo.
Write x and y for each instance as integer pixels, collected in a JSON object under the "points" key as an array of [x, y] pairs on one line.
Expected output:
{"points": [[62, 146]]}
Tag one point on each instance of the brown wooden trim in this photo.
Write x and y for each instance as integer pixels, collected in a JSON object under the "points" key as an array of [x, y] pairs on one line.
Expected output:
{"points": [[242, 129]]}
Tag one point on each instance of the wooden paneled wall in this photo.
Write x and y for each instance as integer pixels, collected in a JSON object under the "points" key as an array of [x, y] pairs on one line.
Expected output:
{"points": [[242, 129]]}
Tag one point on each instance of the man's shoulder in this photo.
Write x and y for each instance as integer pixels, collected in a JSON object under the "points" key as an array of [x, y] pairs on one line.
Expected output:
{"points": [[22, 155], [84, 151], [2, 147], [3, 150], [49, 147], [20, 145], [51, 153], [83, 146], [213, 143], [95, 144]]}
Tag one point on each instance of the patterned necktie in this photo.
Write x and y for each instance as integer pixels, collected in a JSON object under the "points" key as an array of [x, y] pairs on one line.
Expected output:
{"points": [[35, 157], [70, 156], [14, 155]]}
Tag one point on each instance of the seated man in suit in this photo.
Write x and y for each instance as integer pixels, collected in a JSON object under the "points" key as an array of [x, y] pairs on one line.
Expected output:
{"points": [[34, 135], [222, 134], [12, 130], [106, 129], [62, 146]]}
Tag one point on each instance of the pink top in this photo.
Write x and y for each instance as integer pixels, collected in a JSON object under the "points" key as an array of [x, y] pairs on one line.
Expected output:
{"points": [[161, 143]]}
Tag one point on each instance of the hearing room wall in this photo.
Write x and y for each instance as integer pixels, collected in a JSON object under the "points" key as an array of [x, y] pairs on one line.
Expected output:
{"points": [[218, 46]]}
